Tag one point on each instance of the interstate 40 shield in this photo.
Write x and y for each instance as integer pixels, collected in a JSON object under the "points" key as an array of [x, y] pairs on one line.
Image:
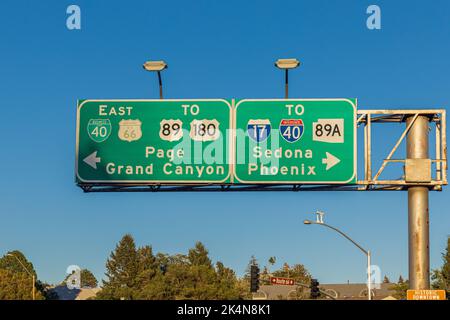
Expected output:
{"points": [[133, 142], [295, 141]]}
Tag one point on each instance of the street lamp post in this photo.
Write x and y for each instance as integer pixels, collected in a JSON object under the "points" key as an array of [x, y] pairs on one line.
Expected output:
{"points": [[33, 292], [366, 252], [156, 66], [286, 64]]}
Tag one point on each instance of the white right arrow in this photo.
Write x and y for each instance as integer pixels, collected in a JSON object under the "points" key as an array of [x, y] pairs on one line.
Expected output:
{"points": [[330, 161], [92, 159]]}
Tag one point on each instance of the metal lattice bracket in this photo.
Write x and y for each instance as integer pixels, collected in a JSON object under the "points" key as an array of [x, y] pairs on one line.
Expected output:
{"points": [[417, 171]]}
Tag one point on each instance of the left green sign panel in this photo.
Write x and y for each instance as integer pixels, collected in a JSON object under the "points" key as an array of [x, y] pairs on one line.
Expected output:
{"points": [[153, 141]]}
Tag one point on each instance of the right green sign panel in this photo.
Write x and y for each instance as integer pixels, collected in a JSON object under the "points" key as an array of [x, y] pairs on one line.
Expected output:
{"points": [[295, 141]]}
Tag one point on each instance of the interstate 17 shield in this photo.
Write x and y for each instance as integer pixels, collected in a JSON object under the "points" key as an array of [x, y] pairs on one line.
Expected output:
{"points": [[259, 129], [291, 129]]}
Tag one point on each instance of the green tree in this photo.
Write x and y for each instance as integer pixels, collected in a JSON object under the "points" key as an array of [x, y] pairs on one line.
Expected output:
{"points": [[153, 284], [298, 272], [139, 274], [17, 286], [243, 287], [14, 275], [265, 273], [88, 279], [199, 282], [190, 276], [400, 288], [441, 276], [10, 261], [147, 266], [122, 271], [200, 279], [386, 280], [147, 261], [228, 286], [272, 261], [157, 289], [199, 255]]}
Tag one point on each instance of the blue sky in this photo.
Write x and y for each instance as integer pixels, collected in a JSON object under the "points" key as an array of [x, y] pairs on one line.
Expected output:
{"points": [[215, 49]]}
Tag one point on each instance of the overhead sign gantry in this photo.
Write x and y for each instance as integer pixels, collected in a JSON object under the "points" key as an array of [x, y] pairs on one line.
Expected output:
{"points": [[219, 142]]}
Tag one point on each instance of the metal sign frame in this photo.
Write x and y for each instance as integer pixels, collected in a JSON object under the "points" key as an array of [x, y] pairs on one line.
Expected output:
{"points": [[369, 117]]}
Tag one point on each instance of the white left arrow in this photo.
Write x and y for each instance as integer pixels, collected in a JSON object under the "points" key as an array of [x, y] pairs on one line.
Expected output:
{"points": [[92, 159], [330, 161]]}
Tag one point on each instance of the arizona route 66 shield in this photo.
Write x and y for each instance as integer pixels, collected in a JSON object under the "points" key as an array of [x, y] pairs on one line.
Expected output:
{"points": [[130, 130]]}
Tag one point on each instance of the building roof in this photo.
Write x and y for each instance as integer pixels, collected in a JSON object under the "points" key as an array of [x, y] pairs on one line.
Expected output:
{"points": [[65, 293]]}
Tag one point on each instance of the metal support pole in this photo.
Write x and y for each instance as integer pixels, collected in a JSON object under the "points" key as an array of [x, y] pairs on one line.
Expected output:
{"points": [[369, 277], [286, 84], [160, 85], [438, 152], [418, 215], [366, 166], [369, 146]]}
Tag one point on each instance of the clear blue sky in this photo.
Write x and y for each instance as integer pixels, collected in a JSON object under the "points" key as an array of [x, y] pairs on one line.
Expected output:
{"points": [[215, 49]]}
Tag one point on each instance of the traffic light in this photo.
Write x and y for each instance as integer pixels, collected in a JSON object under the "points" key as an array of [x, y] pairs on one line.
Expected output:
{"points": [[254, 278], [315, 292], [163, 268]]}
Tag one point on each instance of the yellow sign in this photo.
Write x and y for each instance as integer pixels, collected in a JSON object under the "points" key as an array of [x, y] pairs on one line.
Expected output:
{"points": [[130, 130], [426, 294]]}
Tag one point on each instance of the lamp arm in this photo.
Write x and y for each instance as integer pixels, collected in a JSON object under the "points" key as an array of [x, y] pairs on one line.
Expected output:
{"points": [[345, 236], [23, 266]]}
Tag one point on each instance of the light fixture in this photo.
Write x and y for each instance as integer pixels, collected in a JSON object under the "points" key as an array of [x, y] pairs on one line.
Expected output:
{"points": [[156, 66]]}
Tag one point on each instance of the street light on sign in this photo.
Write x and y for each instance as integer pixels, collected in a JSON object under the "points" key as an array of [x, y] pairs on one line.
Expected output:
{"points": [[156, 66], [286, 64], [366, 252]]}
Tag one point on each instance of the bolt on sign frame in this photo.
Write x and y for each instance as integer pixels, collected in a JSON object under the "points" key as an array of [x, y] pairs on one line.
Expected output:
{"points": [[437, 119]]}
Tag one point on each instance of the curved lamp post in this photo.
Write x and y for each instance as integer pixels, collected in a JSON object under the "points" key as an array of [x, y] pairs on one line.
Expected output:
{"points": [[156, 66], [33, 292], [286, 64], [366, 252]]}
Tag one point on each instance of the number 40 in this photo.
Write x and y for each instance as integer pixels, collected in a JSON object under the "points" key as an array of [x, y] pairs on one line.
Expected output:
{"points": [[100, 131]]}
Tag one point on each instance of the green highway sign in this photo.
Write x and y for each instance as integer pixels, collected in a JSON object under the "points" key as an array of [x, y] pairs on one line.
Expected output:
{"points": [[287, 141], [290, 141], [153, 142]]}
